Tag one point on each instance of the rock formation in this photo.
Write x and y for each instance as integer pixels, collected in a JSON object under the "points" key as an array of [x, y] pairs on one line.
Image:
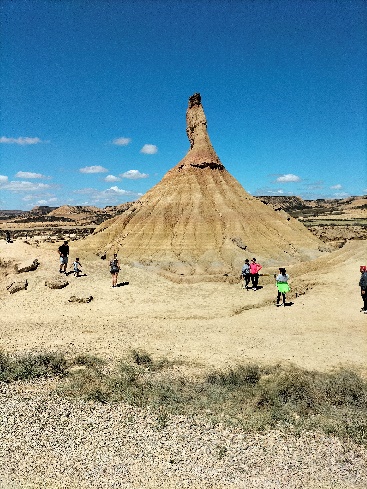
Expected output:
{"points": [[27, 267], [81, 300], [17, 286], [198, 223], [56, 283]]}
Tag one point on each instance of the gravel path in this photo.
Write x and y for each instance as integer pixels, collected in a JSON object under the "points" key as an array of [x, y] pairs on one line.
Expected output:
{"points": [[51, 442]]}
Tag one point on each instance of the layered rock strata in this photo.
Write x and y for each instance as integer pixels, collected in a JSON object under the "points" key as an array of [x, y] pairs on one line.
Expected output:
{"points": [[198, 223]]}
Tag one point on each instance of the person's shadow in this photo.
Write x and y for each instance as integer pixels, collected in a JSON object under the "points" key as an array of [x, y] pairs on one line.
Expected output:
{"points": [[288, 304], [122, 284], [72, 271]]}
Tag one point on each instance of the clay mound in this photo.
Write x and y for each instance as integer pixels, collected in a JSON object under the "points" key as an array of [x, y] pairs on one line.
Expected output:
{"points": [[69, 211], [198, 223]]}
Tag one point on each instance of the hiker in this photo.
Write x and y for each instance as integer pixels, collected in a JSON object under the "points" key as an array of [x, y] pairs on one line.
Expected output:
{"points": [[7, 237], [254, 273], [114, 269], [363, 286], [246, 274], [76, 265], [282, 285], [64, 253]]}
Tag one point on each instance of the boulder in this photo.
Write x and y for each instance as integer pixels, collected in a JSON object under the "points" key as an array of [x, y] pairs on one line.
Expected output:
{"points": [[56, 283], [27, 267], [81, 300], [17, 286]]}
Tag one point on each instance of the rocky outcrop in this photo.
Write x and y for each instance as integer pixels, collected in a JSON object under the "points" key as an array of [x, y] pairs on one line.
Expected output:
{"points": [[56, 283], [81, 300], [17, 286], [198, 223], [27, 267]]}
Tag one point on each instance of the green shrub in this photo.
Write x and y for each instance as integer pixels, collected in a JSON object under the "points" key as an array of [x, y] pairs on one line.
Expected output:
{"points": [[345, 387], [141, 358], [234, 377], [31, 366], [248, 396], [88, 360]]}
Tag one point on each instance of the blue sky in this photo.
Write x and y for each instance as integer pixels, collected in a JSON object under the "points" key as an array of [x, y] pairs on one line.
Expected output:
{"points": [[94, 93]]}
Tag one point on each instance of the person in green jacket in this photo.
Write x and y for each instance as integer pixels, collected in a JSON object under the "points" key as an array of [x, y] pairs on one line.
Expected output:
{"points": [[282, 285]]}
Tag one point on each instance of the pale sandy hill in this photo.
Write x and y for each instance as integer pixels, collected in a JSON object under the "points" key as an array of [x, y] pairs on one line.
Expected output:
{"points": [[68, 211], [198, 223]]}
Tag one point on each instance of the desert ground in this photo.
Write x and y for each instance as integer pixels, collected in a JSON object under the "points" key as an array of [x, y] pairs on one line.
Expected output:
{"points": [[212, 324], [50, 442]]}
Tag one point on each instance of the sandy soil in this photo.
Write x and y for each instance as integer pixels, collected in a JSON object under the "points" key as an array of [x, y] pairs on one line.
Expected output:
{"points": [[209, 324]]}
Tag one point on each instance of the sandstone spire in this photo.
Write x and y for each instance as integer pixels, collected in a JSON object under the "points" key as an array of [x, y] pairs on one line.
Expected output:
{"points": [[198, 223], [201, 152]]}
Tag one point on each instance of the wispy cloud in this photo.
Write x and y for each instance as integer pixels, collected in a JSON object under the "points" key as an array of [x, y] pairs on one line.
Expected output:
{"points": [[36, 197], [52, 200], [271, 191], [16, 186], [288, 177], [121, 141], [93, 169], [22, 141], [149, 149], [319, 185], [134, 175], [112, 195], [336, 187], [3, 179], [27, 174], [111, 178]]}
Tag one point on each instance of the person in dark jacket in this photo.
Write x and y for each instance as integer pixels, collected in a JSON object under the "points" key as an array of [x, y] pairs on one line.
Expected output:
{"points": [[64, 256], [246, 274], [363, 286], [114, 269]]}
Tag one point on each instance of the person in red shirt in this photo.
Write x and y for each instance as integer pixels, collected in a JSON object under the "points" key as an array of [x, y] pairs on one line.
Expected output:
{"points": [[254, 273]]}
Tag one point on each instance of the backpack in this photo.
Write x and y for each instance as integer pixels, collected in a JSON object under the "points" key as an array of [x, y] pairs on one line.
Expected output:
{"points": [[114, 266]]}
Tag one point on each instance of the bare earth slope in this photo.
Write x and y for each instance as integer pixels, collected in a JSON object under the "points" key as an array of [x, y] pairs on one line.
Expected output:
{"points": [[198, 223]]}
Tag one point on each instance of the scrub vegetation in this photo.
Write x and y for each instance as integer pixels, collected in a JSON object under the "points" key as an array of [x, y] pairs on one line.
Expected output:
{"points": [[251, 397]]}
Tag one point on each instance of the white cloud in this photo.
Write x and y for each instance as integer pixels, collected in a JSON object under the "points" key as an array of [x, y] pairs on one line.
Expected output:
{"points": [[315, 186], [288, 177], [336, 187], [121, 141], [118, 190], [134, 174], [149, 149], [111, 178], [341, 195], [93, 169], [15, 186], [112, 195], [27, 174], [21, 141], [271, 191], [3, 179], [46, 201]]}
